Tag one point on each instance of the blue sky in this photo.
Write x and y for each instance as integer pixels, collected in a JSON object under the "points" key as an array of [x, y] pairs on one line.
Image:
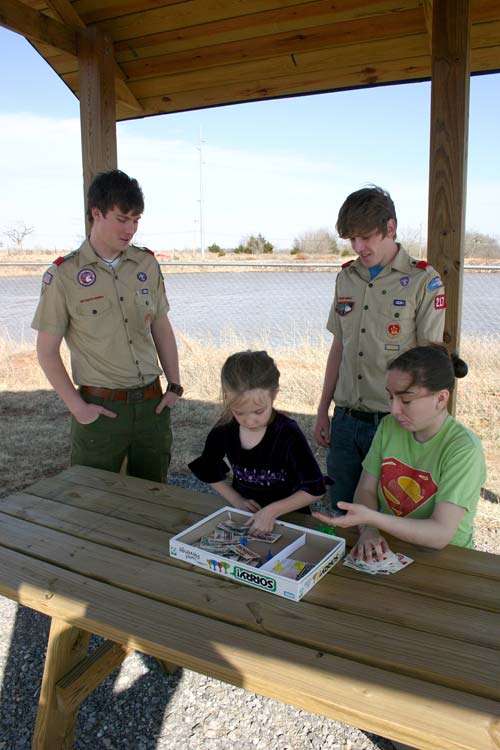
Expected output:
{"points": [[280, 168]]}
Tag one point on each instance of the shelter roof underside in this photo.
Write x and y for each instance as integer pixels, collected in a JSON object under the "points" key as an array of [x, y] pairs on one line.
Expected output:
{"points": [[177, 55]]}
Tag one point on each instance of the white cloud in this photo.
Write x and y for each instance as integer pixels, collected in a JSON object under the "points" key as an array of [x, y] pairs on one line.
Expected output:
{"points": [[280, 194]]}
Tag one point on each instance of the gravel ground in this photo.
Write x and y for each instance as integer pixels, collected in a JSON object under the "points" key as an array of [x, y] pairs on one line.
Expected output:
{"points": [[138, 707]]}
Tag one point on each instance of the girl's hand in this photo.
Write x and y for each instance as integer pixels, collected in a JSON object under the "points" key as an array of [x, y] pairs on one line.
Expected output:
{"points": [[357, 515], [371, 546], [262, 522], [252, 506]]}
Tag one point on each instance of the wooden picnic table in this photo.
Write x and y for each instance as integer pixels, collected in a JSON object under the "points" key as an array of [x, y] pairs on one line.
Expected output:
{"points": [[413, 656]]}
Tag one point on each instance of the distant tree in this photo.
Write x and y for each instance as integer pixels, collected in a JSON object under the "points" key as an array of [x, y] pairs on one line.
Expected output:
{"points": [[411, 239], [315, 242], [17, 233], [240, 249], [479, 245], [256, 245], [215, 248]]}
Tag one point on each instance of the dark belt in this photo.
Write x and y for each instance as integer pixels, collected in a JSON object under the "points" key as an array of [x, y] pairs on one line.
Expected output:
{"points": [[364, 416], [131, 396]]}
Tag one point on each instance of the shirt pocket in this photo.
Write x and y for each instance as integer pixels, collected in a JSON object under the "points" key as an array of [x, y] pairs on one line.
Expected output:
{"points": [[397, 324], [144, 311], [93, 309]]}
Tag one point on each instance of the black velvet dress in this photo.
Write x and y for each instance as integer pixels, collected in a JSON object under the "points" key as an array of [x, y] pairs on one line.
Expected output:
{"points": [[280, 465]]}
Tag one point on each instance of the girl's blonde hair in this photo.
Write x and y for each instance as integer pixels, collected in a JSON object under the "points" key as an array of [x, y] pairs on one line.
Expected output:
{"points": [[247, 371]]}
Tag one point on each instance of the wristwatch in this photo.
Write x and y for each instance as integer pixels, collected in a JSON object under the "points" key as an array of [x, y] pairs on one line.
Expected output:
{"points": [[175, 388]]}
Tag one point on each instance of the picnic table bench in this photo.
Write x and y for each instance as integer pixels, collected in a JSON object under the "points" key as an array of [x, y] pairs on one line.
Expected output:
{"points": [[413, 656]]}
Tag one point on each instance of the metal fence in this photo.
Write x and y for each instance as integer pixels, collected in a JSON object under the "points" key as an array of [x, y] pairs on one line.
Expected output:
{"points": [[274, 303]]}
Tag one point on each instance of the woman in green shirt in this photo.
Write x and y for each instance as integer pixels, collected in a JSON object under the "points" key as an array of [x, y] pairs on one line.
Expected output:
{"points": [[422, 477]]}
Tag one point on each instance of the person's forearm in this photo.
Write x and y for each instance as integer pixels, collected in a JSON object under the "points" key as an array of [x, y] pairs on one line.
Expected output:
{"points": [[289, 504], [57, 375], [166, 347], [331, 376], [425, 532], [226, 491], [369, 500]]}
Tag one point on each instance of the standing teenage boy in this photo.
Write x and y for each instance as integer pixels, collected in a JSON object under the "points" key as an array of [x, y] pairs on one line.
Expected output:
{"points": [[385, 302], [107, 300]]}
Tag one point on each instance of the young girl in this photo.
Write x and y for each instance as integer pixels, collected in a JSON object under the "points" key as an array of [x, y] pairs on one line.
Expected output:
{"points": [[274, 470], [423, 474]]}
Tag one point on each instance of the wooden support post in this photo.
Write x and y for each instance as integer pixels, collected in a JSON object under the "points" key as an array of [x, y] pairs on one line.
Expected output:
{"points": [[67, 646], [97, 103], [78, 684], [168, 667], [448, 153]]}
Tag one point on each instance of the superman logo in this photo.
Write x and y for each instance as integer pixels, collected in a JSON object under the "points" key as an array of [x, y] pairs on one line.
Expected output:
{"points": [[405, 488]]}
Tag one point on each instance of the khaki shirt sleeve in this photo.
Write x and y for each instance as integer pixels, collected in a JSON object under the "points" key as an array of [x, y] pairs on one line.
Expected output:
{"points": [[162, 305], [51, 315], [431, 310], [333, 323]]}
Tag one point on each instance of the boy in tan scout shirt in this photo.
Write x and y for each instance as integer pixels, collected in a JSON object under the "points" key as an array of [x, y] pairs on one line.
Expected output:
{"points": [[107, 300], [385, 302]]}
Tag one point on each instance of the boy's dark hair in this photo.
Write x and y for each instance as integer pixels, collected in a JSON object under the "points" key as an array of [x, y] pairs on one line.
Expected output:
{"points": [[365, 211], [431, 366], [114, 188]]}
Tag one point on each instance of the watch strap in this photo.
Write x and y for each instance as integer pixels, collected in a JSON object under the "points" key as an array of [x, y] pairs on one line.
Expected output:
{"points": [[175, 388]]}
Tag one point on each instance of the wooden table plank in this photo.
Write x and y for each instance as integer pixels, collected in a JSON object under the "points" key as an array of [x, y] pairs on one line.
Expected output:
{"points": [[428, 716], [125, 487], [453, 586], [447, 661], [355, 593], [451, 558]]}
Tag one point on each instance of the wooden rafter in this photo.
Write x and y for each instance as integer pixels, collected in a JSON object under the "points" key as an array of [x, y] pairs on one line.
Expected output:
{"points": [[427, 7], [36, 26], [68, 15], [61, 35]]}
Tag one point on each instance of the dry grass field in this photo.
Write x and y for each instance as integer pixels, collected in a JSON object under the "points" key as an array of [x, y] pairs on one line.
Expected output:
{"points": [[28, 264], [35, 424]]}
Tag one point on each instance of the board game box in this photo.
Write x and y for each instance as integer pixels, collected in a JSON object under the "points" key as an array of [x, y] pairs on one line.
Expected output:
{"points": [[288, 562]]}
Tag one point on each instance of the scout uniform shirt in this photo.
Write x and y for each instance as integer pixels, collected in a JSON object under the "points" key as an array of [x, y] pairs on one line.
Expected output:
{"points": [[105, 315], [378, 319]]}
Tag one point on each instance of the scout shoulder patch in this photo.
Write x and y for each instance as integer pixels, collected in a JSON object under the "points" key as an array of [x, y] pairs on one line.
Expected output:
{"points": [[424, 265], [347, 263], [62, 258]]}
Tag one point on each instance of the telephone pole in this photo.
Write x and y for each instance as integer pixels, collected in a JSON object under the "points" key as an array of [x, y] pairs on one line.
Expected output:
{"points": [[202, 237]]}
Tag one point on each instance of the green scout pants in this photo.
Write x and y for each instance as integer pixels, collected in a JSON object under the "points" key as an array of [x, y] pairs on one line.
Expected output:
{"points": [[136, 432]]}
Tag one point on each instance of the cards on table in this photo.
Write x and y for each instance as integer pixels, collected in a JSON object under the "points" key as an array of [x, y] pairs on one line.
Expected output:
{"points": [[391, 563]]}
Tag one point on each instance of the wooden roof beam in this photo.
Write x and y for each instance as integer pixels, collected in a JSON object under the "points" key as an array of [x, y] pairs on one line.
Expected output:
{"points": [[427, 7], [70, 17], [37, 27]]}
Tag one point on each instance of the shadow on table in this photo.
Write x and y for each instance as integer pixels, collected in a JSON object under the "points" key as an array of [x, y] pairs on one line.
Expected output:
{"points": [[125, 712]]}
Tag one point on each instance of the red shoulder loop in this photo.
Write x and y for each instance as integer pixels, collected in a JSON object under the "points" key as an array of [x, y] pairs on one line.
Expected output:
{"points": [[422, 264], [59, 260], [147, 250], [347, 264]]}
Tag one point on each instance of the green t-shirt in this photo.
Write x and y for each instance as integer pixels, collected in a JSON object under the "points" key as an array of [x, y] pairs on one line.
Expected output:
{"points": [[414, 476]]}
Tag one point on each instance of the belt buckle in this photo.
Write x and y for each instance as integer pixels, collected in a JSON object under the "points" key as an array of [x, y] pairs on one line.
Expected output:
{"points": [[135, 396]]}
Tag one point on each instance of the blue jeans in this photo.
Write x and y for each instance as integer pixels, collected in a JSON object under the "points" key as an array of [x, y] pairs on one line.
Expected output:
{"points": [[350, 440]]}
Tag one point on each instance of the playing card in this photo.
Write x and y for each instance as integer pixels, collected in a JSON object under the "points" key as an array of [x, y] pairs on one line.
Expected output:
{"points": [[269, 537], [244, 552], [235, 528], [391, 563]]}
